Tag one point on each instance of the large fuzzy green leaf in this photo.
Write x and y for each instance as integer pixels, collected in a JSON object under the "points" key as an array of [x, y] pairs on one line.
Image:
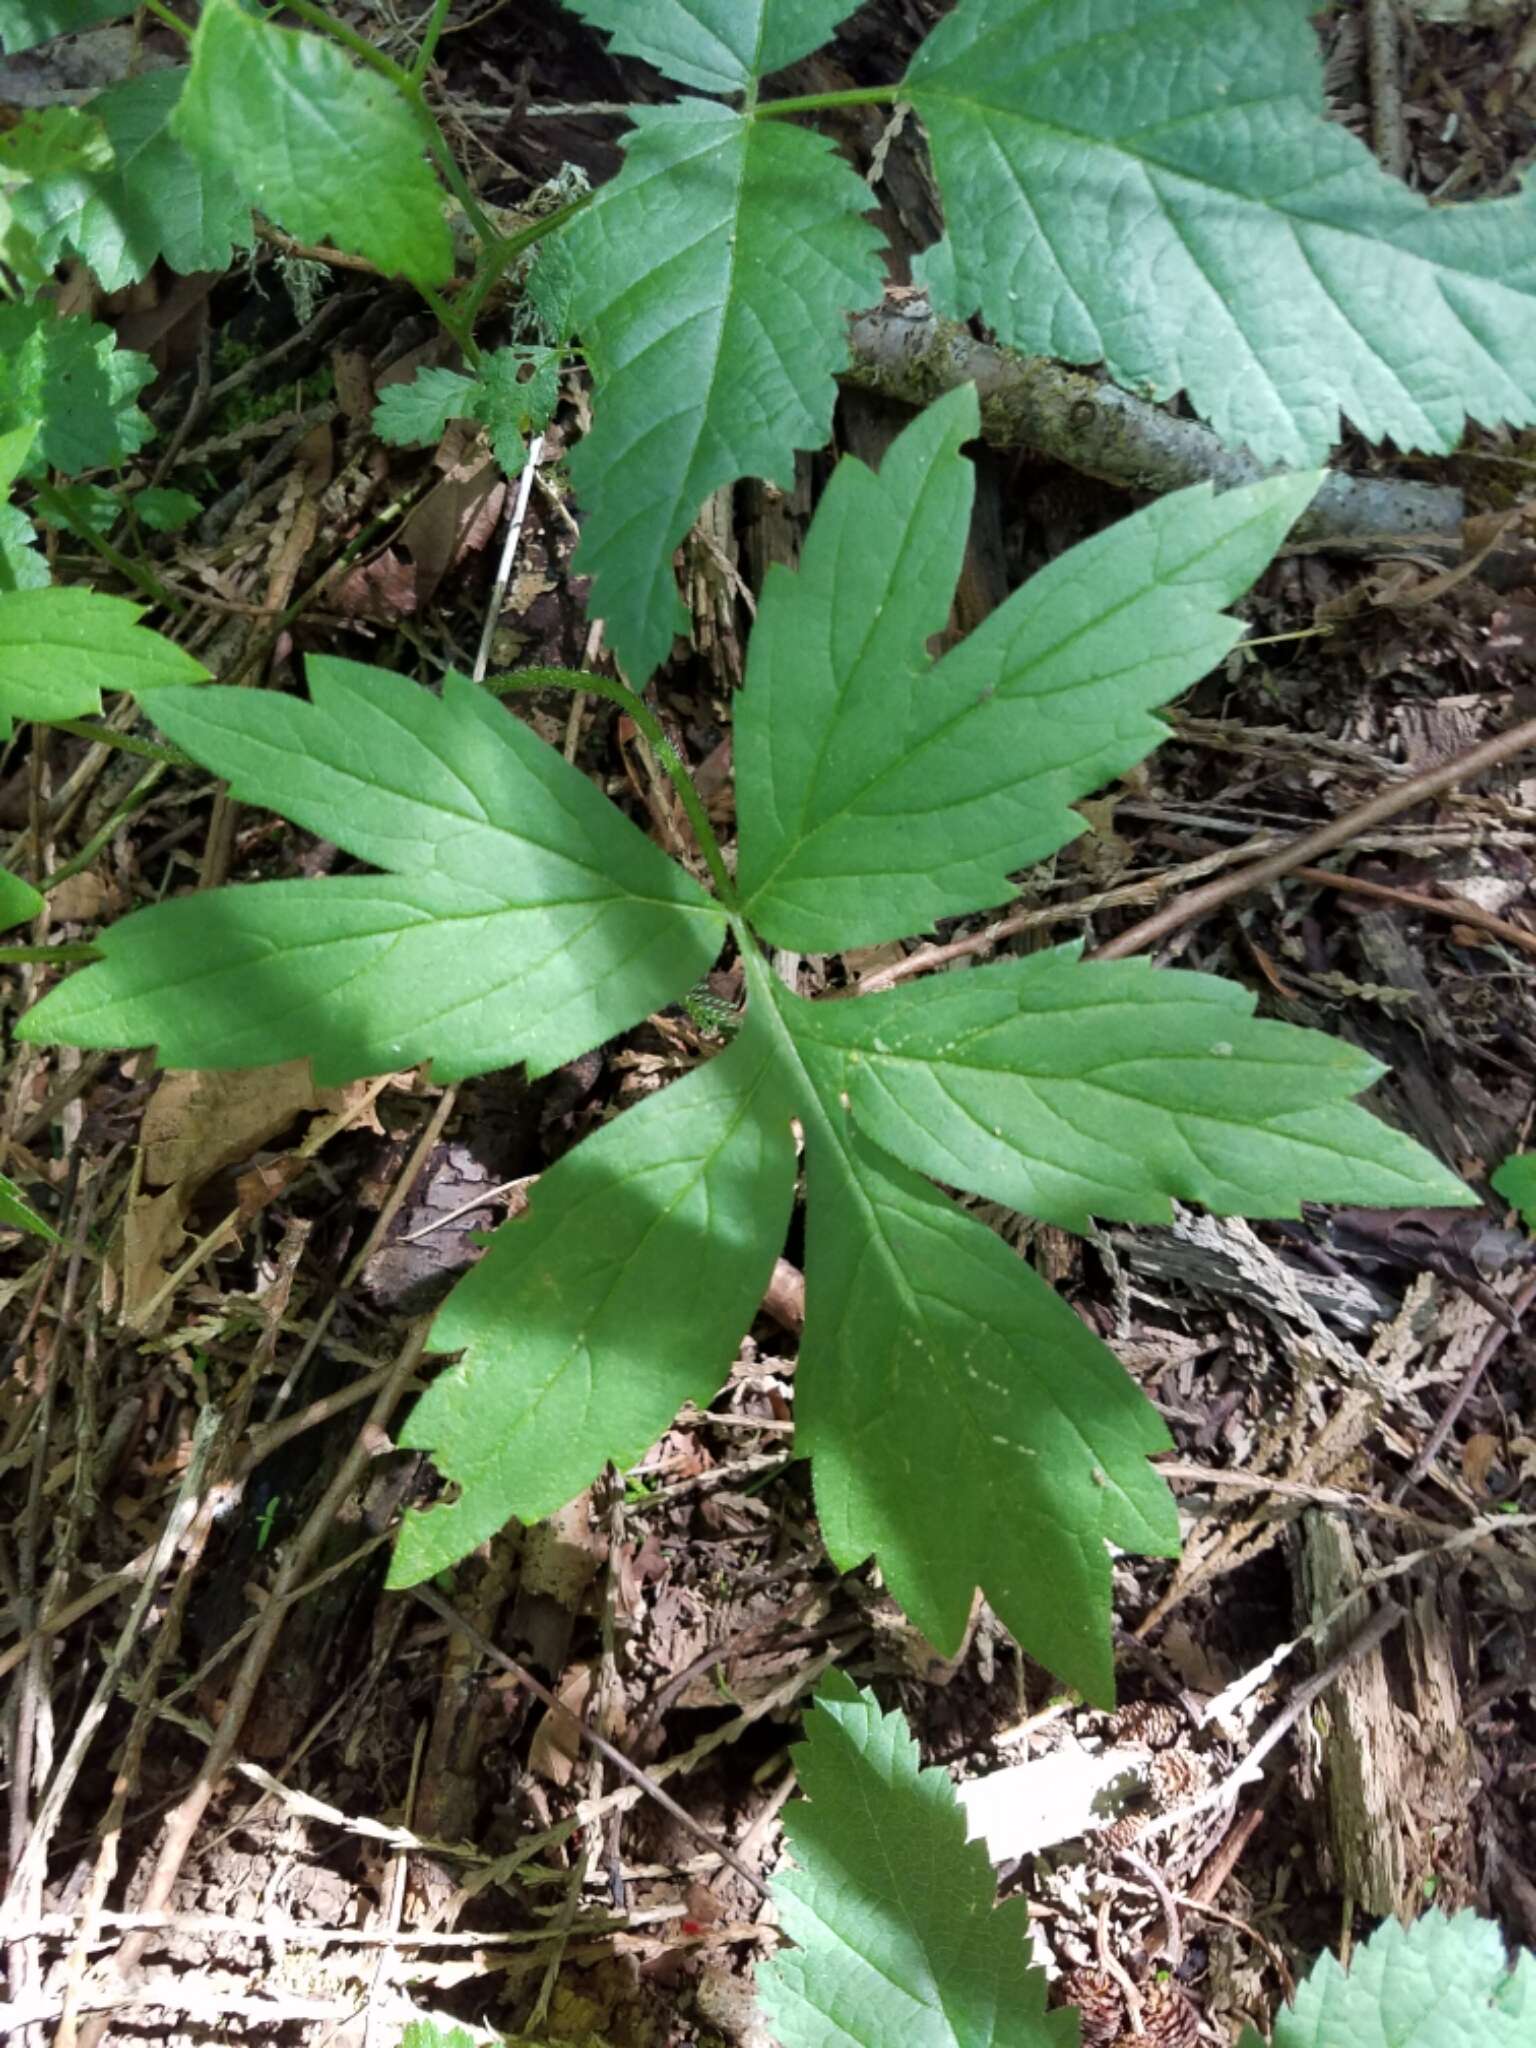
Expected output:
{"points": [[713, 275], [324, 148], [878, 791], [941, 1376], [622, 1295], [1070, 1090], [1441, 1983], [24, 23], [151, 199], [71, 379], [59, 649], [898, 1934], [521, 916], [720, 46], [1154, 185]]}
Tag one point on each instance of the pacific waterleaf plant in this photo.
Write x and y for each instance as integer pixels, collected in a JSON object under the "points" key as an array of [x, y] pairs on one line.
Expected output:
{"points": [[963, 1425]]}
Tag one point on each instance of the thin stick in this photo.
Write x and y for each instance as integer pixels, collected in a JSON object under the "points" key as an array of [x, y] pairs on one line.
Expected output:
{"points": [[183, 1822], [1311, 846], [1383, 46], [508, 557], [429, 1597]]}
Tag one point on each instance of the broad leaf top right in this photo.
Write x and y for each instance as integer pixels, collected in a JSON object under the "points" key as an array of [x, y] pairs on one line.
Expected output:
{"points": [[1155, 185]]}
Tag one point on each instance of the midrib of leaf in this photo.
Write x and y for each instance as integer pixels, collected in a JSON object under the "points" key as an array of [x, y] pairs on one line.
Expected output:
{"points": [[765, 990], [578, 1347], [941, 733]]}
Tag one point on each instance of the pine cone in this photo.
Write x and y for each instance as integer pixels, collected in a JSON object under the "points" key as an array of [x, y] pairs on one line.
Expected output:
{"points": [[1100, 2005], [1168, 2020], [1121, 1833], [1177, 1775], [1153, 1724]]}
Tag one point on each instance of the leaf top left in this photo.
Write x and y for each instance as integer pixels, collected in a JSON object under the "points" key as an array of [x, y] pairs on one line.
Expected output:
{"points": [[521, 916], [326, 150]]}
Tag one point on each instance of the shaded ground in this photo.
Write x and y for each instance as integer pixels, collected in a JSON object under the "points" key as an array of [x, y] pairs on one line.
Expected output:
{"points": [[250, 1253]]}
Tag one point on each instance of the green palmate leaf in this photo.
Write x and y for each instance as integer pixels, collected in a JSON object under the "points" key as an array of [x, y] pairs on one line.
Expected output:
{"points": [[324, 149], [514, 393], [16, 1213], [59, 649], [940, 1376], [1516, 1182], [415, 414], [1071, 1090], [894, 1915], [24, 23], [150, 199], [712, 279], [877, 791], [519, 389], [622, 1295], [522, 917], [1441, 1983], [1262, 260], [19, 901], [68, 376], [721, 46]]}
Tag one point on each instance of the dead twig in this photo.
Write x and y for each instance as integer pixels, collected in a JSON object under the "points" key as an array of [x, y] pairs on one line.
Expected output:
{"points": [[183, 1822], [1487, 1351], [1403, 796]]}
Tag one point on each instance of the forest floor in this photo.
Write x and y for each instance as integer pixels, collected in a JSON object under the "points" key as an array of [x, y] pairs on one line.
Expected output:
{"points": [[1353, 1395]]}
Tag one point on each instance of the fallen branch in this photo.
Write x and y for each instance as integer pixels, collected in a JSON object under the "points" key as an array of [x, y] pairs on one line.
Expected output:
{"points": [[904, 350], [1311, 846]]}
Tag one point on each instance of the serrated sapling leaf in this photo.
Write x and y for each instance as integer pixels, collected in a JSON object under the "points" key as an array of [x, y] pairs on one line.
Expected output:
{"points": [[621, 1295], [878, 790], [1444, 1982], [150, 198], [1264, 262], [1516, 1182], [1071, 1090], [165, 511], [711, 280], [59, 649], [520, 917], [721, 46], [327, 150], [415, 412], [71, 379], [894, 1915]]}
